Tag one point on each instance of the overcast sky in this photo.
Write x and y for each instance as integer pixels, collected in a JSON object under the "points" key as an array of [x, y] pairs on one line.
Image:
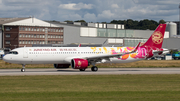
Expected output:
{"points": [[92, 10]]}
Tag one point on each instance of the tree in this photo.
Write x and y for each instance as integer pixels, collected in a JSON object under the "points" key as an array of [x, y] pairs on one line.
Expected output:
{"points": [[161, 21], [80, 21], [68, 21]]}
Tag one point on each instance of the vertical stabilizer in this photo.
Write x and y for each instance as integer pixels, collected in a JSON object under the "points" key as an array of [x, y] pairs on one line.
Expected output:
{"points": [[156, 39]]}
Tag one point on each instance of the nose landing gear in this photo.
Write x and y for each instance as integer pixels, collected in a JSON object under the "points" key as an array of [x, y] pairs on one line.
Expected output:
{"points": [[23, 68]]}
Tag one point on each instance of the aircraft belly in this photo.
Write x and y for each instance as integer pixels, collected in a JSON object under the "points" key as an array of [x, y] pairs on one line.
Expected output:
{"points": [[44, 59]]}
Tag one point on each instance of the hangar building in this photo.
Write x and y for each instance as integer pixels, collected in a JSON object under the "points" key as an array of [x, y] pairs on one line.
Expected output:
{"points": [[20, 32]]}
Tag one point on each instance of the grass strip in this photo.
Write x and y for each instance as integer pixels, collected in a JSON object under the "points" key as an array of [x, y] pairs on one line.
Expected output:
{"points": [[90, 87]]}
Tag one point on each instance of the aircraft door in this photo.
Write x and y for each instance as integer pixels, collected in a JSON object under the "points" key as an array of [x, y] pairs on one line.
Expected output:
{"points": [[25, 53]]}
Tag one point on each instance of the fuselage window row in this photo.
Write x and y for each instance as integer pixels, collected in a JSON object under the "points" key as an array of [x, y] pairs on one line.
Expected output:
{"points": [[65, 52]]}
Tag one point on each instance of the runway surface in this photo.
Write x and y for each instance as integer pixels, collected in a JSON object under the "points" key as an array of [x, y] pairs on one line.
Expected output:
{"points": [[101, 71]]}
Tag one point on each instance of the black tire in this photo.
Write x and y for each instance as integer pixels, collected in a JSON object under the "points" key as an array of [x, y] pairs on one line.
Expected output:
{"points": [[82, 69], [94, 68], [22, 70]]}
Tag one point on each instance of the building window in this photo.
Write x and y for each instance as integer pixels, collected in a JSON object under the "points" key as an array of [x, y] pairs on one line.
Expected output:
{"points": [[8, 29], [25, 29], [49, 36], [37, 36], [8, 35], [34, 29], [20, 42], [8, 42], [37, 29], [29, 29], [34, 35], [31, 42], [20, 35], [61, 30]]}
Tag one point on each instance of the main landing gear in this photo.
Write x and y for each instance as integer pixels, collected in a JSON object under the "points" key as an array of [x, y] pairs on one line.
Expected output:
{"points": [[23, 68], [94, 69]]}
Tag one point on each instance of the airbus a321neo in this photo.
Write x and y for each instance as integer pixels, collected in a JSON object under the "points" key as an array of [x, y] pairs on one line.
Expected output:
{"points": [[81, 57]]}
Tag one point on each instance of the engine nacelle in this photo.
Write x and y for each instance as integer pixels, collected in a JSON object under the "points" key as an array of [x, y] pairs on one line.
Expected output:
{"points": [[57, 66], [79, 63]]}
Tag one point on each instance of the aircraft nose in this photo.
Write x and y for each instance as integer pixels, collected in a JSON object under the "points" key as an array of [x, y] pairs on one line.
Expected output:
{"points": [[5, 58]]}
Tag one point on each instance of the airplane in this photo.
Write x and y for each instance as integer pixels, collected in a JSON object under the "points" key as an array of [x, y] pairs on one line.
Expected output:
{"points": [[82, 57]]}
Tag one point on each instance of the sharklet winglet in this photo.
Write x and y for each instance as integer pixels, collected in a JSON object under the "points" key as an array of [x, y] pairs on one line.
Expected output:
{"points": [[135, 49]]}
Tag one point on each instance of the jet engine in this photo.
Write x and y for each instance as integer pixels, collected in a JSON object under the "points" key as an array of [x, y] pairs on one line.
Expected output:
{"points": [[60, 66], [79, 63]]}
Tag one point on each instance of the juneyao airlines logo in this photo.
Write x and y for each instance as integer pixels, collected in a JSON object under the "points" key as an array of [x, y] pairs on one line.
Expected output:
{"points": [[157, 37], [79, 63]]}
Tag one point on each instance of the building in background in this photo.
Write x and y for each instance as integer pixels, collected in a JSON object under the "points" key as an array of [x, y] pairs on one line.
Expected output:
{"points": [[20, 32], [98, 33], [178, 27]]}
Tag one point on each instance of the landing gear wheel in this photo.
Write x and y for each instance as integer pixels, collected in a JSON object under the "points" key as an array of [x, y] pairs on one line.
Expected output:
{"points": [[82, 69], [23, 70], [94, 68]]}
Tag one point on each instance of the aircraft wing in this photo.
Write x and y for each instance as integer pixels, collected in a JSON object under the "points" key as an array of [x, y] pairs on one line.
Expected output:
{"points": [[111, 55]]}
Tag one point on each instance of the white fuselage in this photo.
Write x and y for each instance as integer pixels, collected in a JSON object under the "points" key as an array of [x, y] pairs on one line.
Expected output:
{"points": [[59, 55]]}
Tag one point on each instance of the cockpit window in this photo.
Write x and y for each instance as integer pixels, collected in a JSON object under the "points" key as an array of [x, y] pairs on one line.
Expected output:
{"points": [[13, 52]]}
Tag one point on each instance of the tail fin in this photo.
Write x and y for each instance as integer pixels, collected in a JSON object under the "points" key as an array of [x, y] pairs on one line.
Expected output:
{"points": [[156, 39]]}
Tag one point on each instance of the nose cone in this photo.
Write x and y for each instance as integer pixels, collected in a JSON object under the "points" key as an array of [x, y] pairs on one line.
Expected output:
{"points": [[5, 58]]}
